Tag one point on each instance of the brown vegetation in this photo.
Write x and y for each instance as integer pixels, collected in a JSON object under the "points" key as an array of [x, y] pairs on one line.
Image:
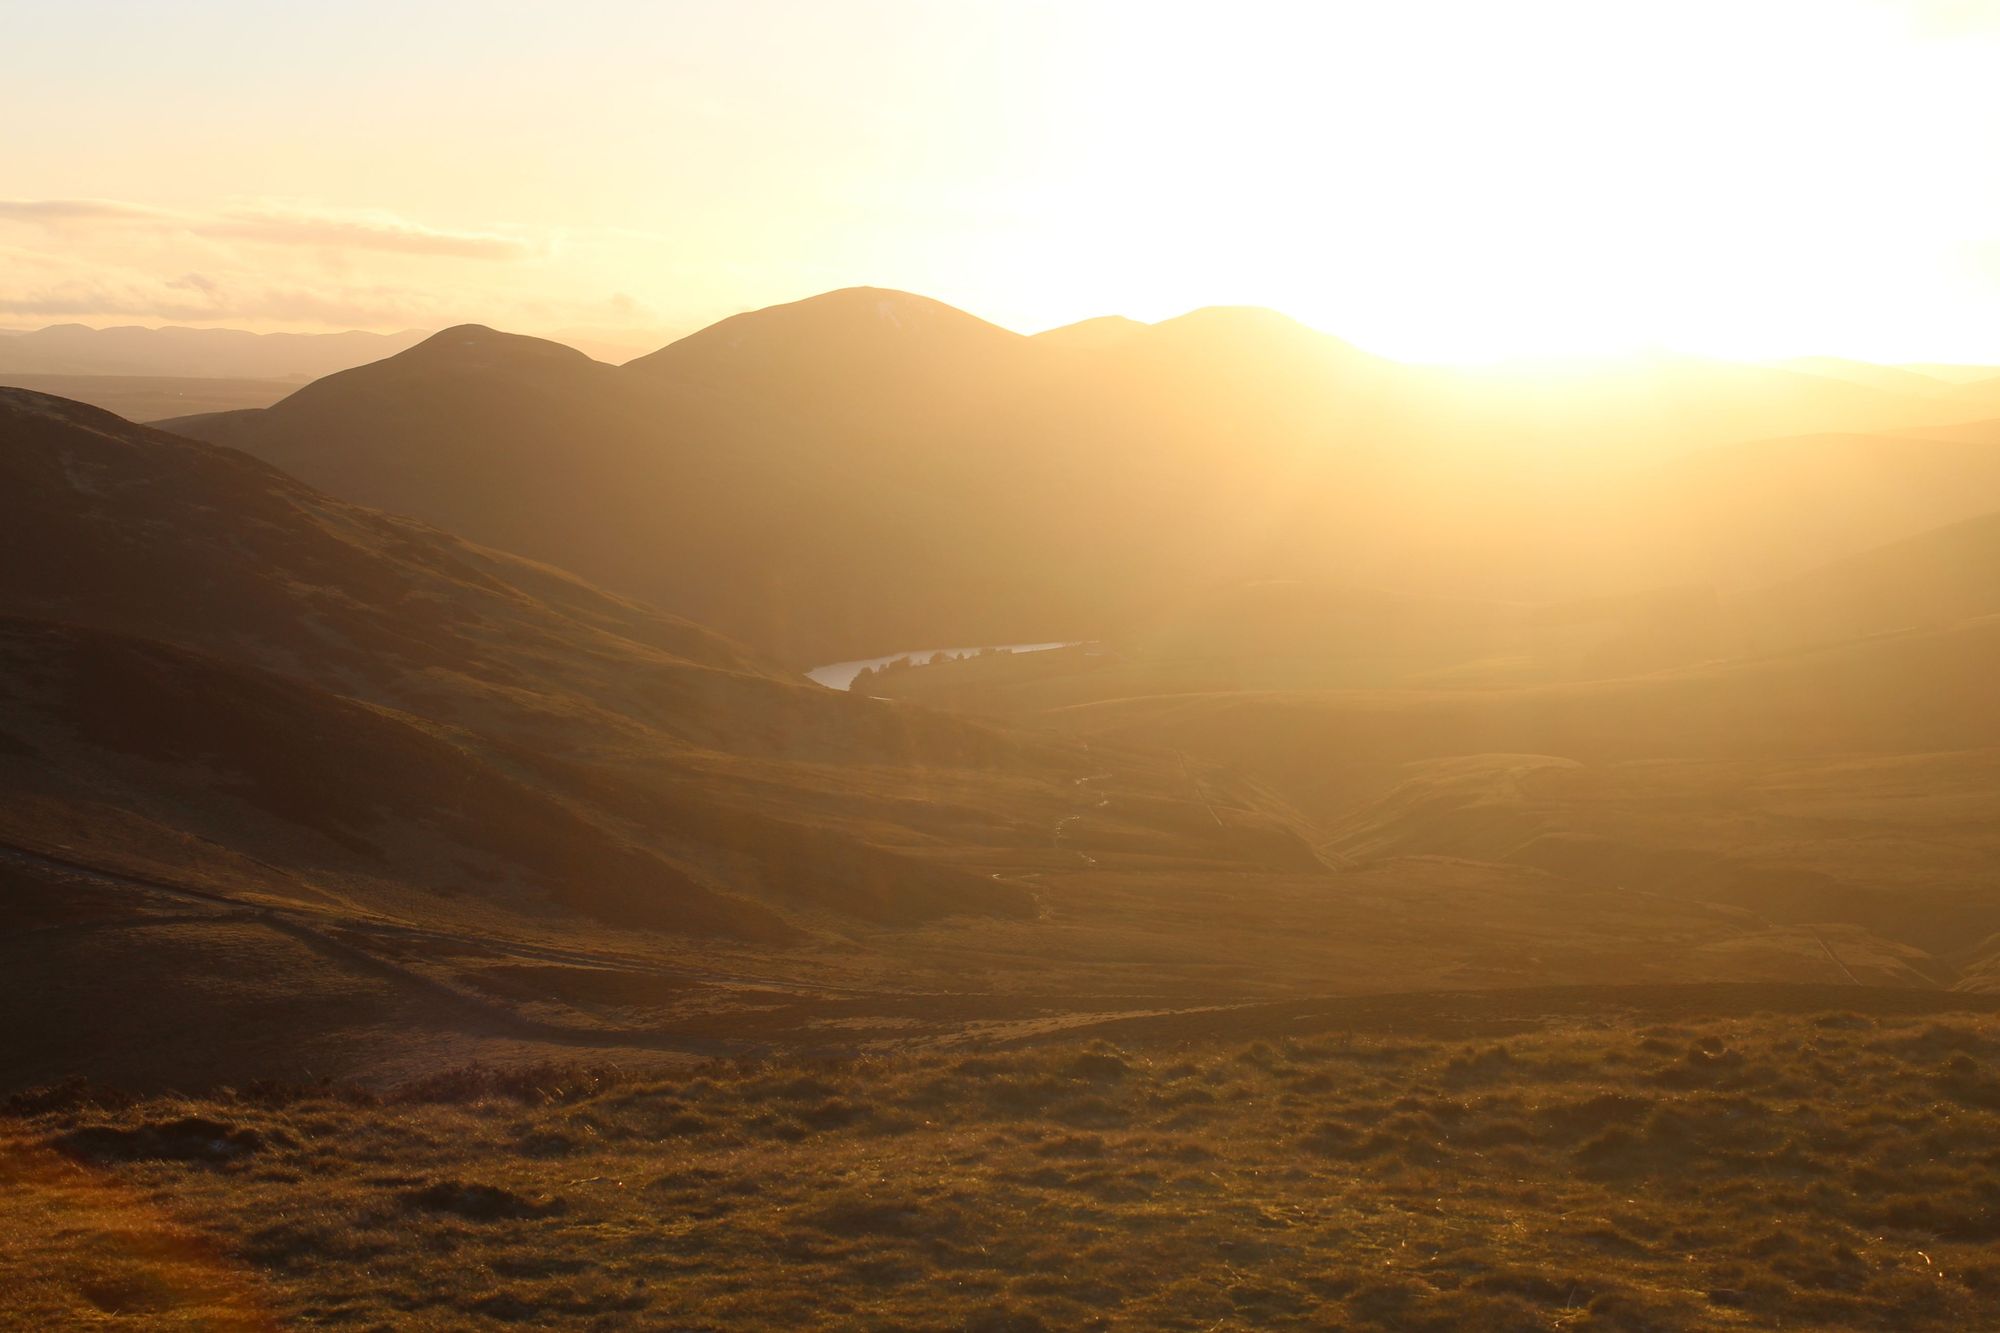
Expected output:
{"points": [[1828, 1169], [1457, 883]]}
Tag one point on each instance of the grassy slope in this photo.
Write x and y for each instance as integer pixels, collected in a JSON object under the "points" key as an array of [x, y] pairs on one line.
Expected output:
{"points": [[1808, 1158], [1830, 779], [1836, 785], [495, 806], [1894, 694], [226, 685], [1899, 844], [651, 739]]}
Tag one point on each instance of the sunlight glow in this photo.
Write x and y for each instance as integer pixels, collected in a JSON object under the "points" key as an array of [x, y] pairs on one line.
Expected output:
{"points": [[1454, 180], [1430, 179]]}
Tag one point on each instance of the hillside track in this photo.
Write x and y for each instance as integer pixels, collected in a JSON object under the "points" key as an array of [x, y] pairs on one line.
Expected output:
{"points": [[1489, 1013]]}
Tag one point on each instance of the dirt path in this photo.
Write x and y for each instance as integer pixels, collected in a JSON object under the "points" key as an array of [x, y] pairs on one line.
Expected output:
{"points": [[1200, 794], [1467, 1014], [1835, 958], [501, 946], [475, 1012]]}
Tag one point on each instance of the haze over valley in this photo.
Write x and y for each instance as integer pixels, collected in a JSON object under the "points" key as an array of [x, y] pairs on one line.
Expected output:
{"points": [[1037, 686]]}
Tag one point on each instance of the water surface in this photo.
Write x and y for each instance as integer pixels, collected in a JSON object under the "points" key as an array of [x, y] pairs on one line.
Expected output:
{"points": [[840, 675]]}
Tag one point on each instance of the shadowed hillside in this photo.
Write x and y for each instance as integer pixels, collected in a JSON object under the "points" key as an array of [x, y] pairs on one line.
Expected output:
{"points": [[721, 507], [869, 470], [488, 674], [511, 810], [231, 685]]}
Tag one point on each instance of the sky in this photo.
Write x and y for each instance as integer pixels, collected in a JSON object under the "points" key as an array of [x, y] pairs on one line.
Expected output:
{"points": [[1433, 180]]}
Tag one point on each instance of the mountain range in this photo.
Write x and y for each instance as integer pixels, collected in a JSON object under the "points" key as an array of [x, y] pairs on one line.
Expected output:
{"points": [[868, 471], [463, 689], [285, 713]]}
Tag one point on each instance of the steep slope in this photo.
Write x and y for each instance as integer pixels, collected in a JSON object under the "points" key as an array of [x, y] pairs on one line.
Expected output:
{"points": [[162, 757], [145, 532], [668, 743]]}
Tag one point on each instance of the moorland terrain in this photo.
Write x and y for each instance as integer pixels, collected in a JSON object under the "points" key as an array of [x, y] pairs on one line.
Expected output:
{"points": [[1496, 852]]}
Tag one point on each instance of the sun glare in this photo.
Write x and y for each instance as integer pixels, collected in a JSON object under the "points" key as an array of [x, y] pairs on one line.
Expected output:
{"points": [[1445, 181], [1441, 180]]}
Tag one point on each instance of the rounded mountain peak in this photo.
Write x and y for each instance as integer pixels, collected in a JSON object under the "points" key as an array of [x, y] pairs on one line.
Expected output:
{"points": [[838, 328], [1254, 331], [478, 345]]}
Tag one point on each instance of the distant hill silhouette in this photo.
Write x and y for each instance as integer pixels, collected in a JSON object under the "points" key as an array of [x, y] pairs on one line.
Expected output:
{"points": [[1896, 379], [1091, 334], [1935, 579], [867, 469], [842, 356], [722, 502]]}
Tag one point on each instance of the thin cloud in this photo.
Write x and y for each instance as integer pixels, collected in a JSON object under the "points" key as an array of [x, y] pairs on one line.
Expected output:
{"points": [[76, 210], [363, 232], [277, 226], [203, 300]]}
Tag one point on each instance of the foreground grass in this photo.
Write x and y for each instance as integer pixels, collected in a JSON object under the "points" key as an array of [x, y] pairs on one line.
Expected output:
{"points": [[1830, 1172]]}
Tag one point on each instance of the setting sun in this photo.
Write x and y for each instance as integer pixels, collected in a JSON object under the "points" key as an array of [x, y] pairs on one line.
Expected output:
{"points": [[1436, 180], [1444, 180]]}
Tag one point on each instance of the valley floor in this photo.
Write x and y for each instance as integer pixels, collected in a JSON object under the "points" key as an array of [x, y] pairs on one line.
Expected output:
{"points": [[1658, 1158]]}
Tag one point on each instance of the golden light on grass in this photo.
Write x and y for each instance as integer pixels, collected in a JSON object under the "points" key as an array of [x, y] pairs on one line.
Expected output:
{"points": [[84, 1247]]}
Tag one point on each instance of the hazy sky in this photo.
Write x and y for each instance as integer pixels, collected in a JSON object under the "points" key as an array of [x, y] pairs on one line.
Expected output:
{"points": [[1431, 180]]}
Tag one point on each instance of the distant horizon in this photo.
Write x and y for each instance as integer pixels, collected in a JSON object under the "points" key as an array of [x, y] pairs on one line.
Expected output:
{"points": [[639, 344]]}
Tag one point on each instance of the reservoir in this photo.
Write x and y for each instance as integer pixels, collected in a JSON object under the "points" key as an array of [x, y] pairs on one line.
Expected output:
{"points": [[840, 675]]}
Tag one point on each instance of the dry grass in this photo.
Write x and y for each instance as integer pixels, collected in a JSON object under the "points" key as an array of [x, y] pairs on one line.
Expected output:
{"points": [[1835, 1171]]}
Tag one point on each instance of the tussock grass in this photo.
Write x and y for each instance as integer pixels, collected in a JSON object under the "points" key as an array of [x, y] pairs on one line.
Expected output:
{"points": [[1832, 1171]]}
